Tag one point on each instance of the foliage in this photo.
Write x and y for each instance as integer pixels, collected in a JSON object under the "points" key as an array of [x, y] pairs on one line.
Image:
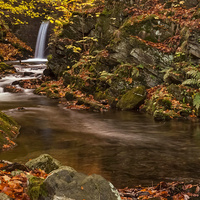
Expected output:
{"points": [[161, 101], [196, 101], [15, 184], [163, 190], [11, 47], [56, 11], [194, 77], [156, 11]]}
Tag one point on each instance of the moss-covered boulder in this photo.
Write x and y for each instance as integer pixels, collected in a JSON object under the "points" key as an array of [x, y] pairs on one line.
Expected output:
{"points": [[9, 130], [35, 188], [44, 162], [50, 91], [6, 68], [132, 99]]}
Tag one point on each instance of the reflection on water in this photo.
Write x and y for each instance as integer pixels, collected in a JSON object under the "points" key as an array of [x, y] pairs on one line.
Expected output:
{"points": [[126, 148]]}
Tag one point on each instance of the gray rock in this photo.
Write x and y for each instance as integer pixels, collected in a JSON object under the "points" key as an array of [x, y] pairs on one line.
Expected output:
{"points": [[194, 49], [44, 162], [67, 184]]}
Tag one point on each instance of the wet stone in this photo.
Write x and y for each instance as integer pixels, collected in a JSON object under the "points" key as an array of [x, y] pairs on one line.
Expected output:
{"points": [[12, 89]]}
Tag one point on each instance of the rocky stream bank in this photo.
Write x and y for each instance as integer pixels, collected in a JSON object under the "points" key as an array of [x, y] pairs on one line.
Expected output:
{"points": [[133, 55], [44, 178]]}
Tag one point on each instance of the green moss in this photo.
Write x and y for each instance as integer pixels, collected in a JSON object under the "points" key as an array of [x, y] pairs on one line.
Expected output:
{"points": [[52, 95], [9, 128], [43, 85], [165, 102], [159, 115], [49, 57], [100, 95], [7, 119], [132, 99], [4, 67], [106, 12], [92, 68], [41, 90], [54, 86], [36, 188], [70, 96]]}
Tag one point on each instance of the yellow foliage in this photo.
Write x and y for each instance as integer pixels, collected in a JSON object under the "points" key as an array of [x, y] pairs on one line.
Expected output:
{"points": [[44, 8]]}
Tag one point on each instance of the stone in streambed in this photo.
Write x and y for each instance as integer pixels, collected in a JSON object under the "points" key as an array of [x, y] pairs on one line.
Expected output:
{"points": [[132, 99], [44, 162], [28, 74], [12, 89]]}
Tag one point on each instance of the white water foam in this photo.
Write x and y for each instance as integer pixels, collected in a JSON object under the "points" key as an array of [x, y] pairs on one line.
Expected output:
{"points": [[35, 60], [1, 90]]}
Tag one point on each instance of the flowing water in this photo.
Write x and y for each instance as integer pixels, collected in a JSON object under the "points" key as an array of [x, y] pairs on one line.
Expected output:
{"points": [[40, 44], [127, 148]]}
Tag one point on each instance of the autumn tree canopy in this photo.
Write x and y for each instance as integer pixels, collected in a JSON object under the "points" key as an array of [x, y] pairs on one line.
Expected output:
{"points": [[56, 11]]}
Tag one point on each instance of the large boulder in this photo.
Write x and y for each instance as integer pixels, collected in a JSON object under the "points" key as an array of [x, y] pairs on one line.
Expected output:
{"points": [[44, 162], [65, 183], [132, 99]]}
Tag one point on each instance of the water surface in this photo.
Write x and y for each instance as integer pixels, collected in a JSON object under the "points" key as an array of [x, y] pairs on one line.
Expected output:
{"points": [[127, 148]]}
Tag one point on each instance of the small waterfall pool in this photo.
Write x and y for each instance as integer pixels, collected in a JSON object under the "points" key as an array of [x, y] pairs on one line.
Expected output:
{"points": [[127, 148]]}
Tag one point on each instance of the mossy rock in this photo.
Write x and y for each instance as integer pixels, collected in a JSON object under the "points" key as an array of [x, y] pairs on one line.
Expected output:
{"points": [[6, 67], [132, 99], [159, 115], [52, 94], [165, 102], [36, 187], [70, 96], [44, 162], [8, 129]]}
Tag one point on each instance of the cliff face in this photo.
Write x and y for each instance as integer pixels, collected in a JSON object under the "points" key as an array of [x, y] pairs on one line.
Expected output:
{"points": [[122, 45]]}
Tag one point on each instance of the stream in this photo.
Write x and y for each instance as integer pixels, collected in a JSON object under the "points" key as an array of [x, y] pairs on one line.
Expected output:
{"points": [[126, 148]]}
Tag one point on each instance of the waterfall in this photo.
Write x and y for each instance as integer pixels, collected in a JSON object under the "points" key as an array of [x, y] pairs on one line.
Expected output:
{"points": [[41, 38]]}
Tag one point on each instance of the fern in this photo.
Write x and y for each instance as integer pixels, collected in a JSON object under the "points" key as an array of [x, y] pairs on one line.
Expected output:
{"points": [[196, 101], [135, 72], [167, 73], [191, 81], [192, 73], [194, 78]]}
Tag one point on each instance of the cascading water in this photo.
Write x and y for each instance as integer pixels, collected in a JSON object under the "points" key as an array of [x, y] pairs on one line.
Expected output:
{"points": [[31, 67], [40, 44]]}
